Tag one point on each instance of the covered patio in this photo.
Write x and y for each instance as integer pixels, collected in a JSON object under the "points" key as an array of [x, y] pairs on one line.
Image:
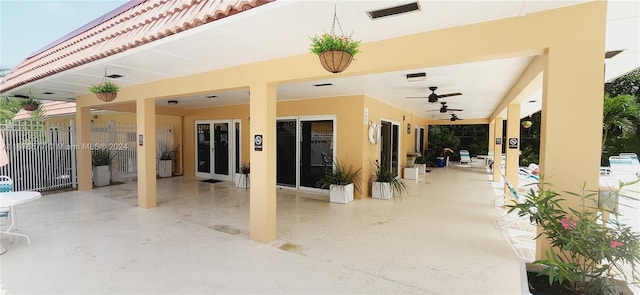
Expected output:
{"points": [[438, 239]]}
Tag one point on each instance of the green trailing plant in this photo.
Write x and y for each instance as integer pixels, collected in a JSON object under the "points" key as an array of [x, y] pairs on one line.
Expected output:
{"points": [[168, 153], [384, 174], [102, 157], [104, 87], [331, 42], [588, 253], [340, 174]]}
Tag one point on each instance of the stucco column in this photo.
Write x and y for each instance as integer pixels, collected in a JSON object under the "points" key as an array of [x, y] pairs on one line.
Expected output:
{"points": [[497, 149], [492, 131], [83, 141], [262, 206], [512, 154], [571, 126], [146, 125]]}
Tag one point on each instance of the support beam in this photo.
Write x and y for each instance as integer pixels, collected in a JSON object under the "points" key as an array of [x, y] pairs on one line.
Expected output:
{"points": [[262, 205], [491, 146], [146, 125], [513, 157], [83, 141], [497, 149], [527, 84]]}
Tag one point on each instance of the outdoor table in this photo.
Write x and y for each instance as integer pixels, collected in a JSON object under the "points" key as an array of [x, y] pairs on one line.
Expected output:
{"points": [[10, 199]]}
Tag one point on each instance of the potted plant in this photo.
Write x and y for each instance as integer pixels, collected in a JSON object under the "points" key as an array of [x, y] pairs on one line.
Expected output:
{"points": [[411, 171], [165, 164], [341, 181], [385, 184], [105, 91], [242, 179], [30, 104], [101, 160], [335, 51], [588, 252], [421, 163]]}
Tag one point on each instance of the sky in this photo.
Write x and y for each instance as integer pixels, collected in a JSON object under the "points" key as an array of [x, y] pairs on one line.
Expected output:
{"points": [[26, 26]]}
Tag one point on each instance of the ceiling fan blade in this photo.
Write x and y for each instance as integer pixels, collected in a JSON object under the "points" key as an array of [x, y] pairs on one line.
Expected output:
{"points": [[449, 94], [454, 110], [416, 97]]}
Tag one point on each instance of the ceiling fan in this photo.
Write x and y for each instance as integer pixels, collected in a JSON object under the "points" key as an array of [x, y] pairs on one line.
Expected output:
{"points": [[445, 109], [455, 118], [433, 97]]}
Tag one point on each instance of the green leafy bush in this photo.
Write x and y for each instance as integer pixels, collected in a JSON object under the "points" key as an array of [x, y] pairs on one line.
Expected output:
{"points": [[340, 174]]}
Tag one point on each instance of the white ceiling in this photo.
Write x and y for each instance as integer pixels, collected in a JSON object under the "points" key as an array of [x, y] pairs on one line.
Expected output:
{"points": [[282, 28]]}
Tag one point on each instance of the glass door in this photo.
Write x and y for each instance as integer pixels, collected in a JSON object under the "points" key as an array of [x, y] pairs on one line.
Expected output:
{"points": [[316, 150], [286, 152], [214, 149], [389, 145]]}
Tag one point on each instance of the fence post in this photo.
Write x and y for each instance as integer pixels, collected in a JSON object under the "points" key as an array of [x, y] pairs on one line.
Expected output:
{"points": [[73, 145]]}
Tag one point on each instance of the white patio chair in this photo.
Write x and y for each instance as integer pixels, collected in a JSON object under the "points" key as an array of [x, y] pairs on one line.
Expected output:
{"points": [[6, 185]]}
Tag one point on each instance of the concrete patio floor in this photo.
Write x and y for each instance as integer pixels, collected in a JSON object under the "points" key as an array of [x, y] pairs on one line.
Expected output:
{"points": [[439, 239]]}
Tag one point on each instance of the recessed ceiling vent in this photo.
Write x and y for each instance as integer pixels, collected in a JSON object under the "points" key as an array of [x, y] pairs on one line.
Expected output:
{"points": [[115, 76], [416, 77], [395, 10], [323, 84], [612, 53]]}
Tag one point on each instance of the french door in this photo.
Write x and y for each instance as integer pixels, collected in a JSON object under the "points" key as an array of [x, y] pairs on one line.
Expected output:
{"points": [[390, 145], [306, 146], [217, 148]]}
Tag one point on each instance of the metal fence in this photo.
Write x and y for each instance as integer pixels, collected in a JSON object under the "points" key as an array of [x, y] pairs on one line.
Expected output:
{"points": [[43, 156]]}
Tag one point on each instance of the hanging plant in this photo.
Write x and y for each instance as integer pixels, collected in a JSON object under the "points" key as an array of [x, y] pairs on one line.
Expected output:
{"points": [[335, 51], [105, 91], [30, 104], [527, 124]]}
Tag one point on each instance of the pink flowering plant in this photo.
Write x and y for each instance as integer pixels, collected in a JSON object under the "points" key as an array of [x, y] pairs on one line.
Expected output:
{"points": [[588, 252], [331, 42]]}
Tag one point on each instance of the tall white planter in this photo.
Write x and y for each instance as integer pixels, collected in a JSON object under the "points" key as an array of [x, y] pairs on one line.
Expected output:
{"points": [[165, 168], [342, 194], [101, 175], [381, 190], [422, 168], [242, 180]]}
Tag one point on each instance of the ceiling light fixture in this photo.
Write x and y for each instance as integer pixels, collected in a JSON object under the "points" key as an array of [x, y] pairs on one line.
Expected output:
{"points": [[172, 102], [211, 96], [415, 77], [114, 76], [48, 93]]}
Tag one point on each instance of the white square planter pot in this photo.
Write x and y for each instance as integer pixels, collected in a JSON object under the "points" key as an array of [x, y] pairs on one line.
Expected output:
{"points": [[381, 190], [342, 194], [165, 168], [242, 180], [101, 175], [422, 168], [411, 173]]}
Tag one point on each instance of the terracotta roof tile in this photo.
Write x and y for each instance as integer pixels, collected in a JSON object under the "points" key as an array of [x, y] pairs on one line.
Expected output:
{"points": [[139, 22]]}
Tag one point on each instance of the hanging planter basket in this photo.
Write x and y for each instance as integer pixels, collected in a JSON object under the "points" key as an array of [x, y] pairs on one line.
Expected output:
{"points": [[527, 124], [107, 96], [335, 61], [335, 51], [30, 107]]}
